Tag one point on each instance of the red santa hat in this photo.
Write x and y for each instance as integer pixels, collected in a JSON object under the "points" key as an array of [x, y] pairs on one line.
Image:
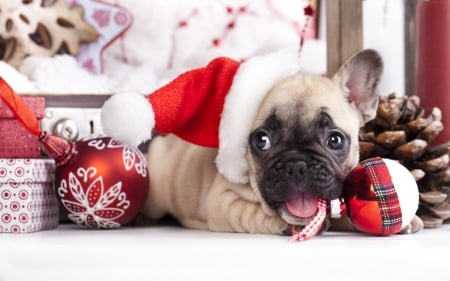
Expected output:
{"points": [[213, 106]]}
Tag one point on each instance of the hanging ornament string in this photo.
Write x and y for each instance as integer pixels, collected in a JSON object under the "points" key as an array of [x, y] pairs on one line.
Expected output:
{"points": [[309, 13], [314, 226], [20, 110], [301, 30]]}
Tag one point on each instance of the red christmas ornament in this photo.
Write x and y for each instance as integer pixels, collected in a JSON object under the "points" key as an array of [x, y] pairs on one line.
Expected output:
{"points": [[100, 182]]}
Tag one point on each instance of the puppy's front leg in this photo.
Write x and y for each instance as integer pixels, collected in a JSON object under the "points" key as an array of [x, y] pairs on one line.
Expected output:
{"points": [[226, 211]]}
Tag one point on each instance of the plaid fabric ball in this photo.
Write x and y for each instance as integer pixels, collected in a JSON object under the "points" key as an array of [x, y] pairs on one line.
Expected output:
{"points": [[381, 196]]}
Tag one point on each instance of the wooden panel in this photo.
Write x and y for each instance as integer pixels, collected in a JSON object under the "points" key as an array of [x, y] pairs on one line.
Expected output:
{"points": [[333, 36], [344, 32]]}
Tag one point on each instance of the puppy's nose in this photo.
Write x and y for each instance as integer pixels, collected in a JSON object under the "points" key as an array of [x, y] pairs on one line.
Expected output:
{"points": [[296, 170]]}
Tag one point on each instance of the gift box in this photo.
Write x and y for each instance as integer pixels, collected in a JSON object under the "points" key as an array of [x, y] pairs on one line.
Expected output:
{"points": [[15, 140], [28, 201]]}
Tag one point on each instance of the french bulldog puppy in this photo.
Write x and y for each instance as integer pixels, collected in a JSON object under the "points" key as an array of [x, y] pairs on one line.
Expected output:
{"points": [[303, 143]]}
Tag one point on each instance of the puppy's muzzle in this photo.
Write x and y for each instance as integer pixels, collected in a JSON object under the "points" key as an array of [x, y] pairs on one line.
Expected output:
{"points": [[313, 177], [295, 171]]}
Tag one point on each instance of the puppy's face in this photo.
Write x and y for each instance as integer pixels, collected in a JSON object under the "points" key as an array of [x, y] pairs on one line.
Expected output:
{"points": [[304, 142]]}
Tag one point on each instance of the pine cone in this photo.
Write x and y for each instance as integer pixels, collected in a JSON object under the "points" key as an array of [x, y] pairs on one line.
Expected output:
{"points": [[400, 131]]}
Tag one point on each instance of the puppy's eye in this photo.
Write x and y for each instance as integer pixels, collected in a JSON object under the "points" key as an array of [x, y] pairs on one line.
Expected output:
{"points": [[261, 140], [336, 140]]}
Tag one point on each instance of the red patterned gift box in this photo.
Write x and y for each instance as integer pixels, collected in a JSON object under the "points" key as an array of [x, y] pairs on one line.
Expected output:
{"points": [[28, 201], [15, 140]]}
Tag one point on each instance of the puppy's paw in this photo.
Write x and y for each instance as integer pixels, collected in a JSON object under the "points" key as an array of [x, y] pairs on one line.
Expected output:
{"points": [[414, 226]]}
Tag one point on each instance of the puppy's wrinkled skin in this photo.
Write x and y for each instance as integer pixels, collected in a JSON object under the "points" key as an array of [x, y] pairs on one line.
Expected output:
{"points": [[184, 182], [303, 143]]}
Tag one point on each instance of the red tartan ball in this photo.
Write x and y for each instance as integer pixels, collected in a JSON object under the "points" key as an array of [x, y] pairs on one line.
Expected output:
{"points": [[104, 185], [381, 196]]}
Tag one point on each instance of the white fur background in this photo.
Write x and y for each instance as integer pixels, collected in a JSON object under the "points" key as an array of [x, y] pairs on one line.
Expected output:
{"points": [[154, 49]]}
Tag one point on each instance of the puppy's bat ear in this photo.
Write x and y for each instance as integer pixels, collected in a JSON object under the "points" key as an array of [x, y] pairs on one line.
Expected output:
{"points": [[359, 78]]}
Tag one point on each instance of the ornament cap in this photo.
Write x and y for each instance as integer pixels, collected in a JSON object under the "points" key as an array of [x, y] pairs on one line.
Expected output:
{"points": [[59, 149]]}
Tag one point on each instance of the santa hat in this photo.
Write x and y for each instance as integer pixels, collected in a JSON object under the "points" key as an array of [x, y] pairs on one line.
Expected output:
{"points": [[213, 106]]}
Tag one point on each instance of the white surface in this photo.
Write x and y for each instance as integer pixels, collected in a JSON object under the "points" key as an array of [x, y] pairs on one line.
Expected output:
{"points": [[172, 253]]}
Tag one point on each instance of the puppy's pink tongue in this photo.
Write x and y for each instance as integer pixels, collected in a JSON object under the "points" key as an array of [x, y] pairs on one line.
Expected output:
{"points": [[301, 204]]}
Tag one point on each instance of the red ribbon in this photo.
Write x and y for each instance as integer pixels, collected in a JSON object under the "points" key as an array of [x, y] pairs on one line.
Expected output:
{"points": [[20, 110]]}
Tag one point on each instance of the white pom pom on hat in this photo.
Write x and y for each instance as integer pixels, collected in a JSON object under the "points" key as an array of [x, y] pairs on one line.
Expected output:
{"points": [[212, 106], [127, 117]]}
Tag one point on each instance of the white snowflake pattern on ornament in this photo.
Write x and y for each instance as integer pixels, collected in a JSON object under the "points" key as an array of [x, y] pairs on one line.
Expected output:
{"points": [[131, 157], [95, 208]]}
